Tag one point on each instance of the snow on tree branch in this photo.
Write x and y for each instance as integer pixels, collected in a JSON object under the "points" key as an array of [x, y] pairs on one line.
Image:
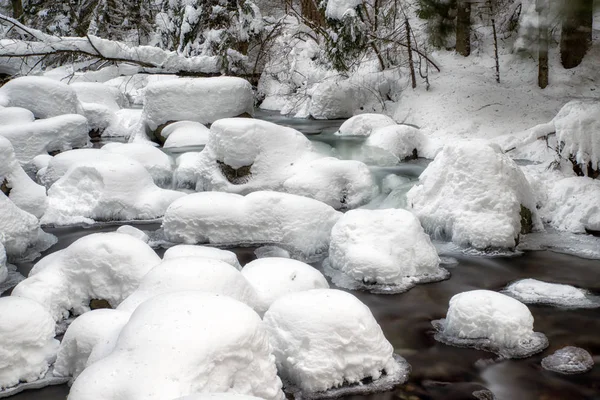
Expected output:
{"points": [[152, 59]]}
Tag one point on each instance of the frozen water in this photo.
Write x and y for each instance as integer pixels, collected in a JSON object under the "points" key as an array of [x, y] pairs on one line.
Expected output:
{"points": [[532, 291], [569, 360]]}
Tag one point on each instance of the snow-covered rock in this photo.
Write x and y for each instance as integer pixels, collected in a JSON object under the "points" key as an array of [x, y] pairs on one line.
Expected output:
{"points": [[532, 291], [203, 100], [44, 97], [55, 167], [188, 250], [336, 98], [99, 93], [100, 266], [15, 116], [49, 135], [392, 144], [83, 335], [569, 360], [490, 321], [19, 229], [184, 343], [276, 277], [156, 162], [185, 175], [324, 338], [193, 273], [573, 205], [474, 195], [22, 190], [28, 347], [185, 133], [106, 189], [3, 269], [364, 124], [299, 224], [244, 155], [135, 232], [386, 251]]}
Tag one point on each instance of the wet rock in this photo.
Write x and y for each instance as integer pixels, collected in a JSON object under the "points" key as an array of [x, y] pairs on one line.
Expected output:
{"points": [[569, 360], [96, 304], [237, 176], [526, 220]]}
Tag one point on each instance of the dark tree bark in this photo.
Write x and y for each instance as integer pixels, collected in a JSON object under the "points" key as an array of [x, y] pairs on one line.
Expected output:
{"points": [[17, 9], [576, 34], [311, 12], [543, 45], [463, 28], [411, 65]]}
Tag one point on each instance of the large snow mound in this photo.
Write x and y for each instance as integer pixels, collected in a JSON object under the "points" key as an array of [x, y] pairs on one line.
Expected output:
{"points": [[100, 266], [490, 321], [244, 155], [99, 93], [185, 343], [392, 144], [474, 195], [49, 135], [83, 335], [385, 251], [28, 347], [364, 124], [573, 205], [106, 189], [44, 97], [299, 224], [569, 360], [275, 277], [19, 230], [22, 190], [188, 250], [193, 273], [532, 291], [203, 100], [15, 115], [156, 162], [324, 338], [185, 133]]}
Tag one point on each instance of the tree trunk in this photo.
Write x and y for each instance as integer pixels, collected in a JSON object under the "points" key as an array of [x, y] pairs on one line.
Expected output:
{"points": [[311, 12], [411, 65], [576, 34], [17, 9], [463, 28], [543, 46]]}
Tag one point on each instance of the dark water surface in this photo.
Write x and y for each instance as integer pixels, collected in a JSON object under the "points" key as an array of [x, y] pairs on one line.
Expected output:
{"points": [[444, 372]]}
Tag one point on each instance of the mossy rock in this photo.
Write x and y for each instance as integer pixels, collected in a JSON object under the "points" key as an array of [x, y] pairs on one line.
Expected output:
{"points": [[96, 304], [4, 188], [526, 220], [413, 156], [237, 176]]}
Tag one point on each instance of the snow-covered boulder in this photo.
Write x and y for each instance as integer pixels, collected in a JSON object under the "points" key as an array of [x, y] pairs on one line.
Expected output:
{"points": [[20, 188], [386, 251], [244, 155], [474, 195], [573, 205], [99, 93], [364, 124], [15, 116], [532, 291], [100, 266], [193, 273], [188, 250], [106, 189], [185, 343], [135, 232], [310, 332], [53, 168], [28, 347], [276, 277], [44, 97], [83, 335], [336, 98], [569, 360], [392, 144], [19, 230], [203, 100], [299, 224], [185, 175], [185, 133], [156, 162], [3, 269], [490, 321], [49, 135]]}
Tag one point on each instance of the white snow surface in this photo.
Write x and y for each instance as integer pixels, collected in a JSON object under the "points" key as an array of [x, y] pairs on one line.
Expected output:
{"points": [[3, 269], [189, 250], [193, 273], [44, 97], [185, 175], [104, 266], [299, 224], [157, 163], [573, 205], [323, 338], [203, 100], [105, 189], [218, 396], [185, 133], [135, 232], [28, 347], [15, 116], [472, 193], [19, 229], [383, 247], [99, 93], [490, 321], [275, 277], [185, 343], [364, 124], [392, 144], [24, 192], [43, 136], [281, 159], [337, 8], [82, 335], [532, 291]]}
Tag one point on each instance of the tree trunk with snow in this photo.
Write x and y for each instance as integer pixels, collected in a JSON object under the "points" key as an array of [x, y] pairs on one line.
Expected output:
{"points": [[543, 44], [576, 34], [463, 28]]}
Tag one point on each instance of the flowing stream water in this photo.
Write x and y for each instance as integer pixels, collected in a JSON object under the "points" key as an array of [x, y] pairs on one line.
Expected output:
{"points": [[440, 371]]}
